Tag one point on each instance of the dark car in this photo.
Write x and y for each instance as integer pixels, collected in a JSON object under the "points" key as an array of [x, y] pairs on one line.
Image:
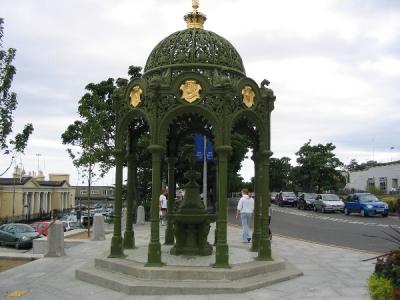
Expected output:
{"points": [[306, 201], [272, 196], [18, 235], [286, 198], [366, 204]]}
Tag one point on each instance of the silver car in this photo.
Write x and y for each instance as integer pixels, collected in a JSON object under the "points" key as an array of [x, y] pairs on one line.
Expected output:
{"points": [[328, 203]]}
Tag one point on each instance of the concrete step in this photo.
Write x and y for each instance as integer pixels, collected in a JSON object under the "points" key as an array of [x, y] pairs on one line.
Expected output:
{"points": [[238, 271], [168, 286]]}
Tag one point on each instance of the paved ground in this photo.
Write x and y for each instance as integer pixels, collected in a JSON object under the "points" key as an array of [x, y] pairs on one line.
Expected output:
{"points": [[329, 273]]}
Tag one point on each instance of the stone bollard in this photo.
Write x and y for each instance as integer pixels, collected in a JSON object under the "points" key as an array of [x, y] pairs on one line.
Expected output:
{"points": [[140, 218], [55, 240], [98, 228], [123, 219]]}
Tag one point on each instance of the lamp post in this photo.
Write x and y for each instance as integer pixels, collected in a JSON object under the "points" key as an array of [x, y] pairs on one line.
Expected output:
{"points": [[38, 155], [391, 153]]}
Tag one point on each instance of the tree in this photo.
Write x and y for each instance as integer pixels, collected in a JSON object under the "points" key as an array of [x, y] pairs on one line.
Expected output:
{"points": [[280, 174], [94, 132], [353, 166], [8, 103], [318, 168]]}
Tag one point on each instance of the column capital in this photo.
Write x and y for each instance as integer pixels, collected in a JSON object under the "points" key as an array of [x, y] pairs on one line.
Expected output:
{"points": [[265, 154], [223, 150], [155, 149]]}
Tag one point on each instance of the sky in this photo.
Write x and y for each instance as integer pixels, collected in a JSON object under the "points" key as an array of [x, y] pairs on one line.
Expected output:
{"points": [[334, 66]]}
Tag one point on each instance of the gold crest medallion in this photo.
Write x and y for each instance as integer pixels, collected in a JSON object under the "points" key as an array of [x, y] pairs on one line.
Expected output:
{"points": [[190, 90], [248, 96], [136, 95]]}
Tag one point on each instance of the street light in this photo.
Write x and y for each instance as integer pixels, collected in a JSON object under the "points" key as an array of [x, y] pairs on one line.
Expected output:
{"points": [[38, 155], [391, 153]]}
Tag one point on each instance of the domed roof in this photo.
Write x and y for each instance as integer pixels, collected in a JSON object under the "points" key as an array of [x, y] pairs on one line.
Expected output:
{"points": [[195, 47]]}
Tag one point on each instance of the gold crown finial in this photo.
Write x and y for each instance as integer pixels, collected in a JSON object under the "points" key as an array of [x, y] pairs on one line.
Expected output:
{"points": [[195, 19], [195, 5]]}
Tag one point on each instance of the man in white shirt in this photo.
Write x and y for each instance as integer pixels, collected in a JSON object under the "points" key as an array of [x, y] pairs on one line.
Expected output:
{"points": [[245, 208], [163, 206]]}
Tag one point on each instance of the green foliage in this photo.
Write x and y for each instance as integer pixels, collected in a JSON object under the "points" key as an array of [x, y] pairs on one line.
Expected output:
{"points": [[373, 190], [8, 103], [280, 172], [393, 201], [94, 133], [388, 266], [380, 288], [354, 166], [318, 168]]}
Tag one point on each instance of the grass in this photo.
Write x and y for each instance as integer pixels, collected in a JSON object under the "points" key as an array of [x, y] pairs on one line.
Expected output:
{"points": [[7, 263]]}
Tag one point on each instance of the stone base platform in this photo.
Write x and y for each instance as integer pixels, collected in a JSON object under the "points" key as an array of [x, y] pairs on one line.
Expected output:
{"points": [[185, 274]]}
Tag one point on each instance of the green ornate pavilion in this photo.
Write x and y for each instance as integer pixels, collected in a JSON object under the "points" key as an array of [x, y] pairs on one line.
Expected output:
{"points": [[194, 81]]}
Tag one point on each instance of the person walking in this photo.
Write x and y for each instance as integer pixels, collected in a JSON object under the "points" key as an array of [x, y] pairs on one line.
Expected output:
{"points": [[163, 206], [245, 209]]}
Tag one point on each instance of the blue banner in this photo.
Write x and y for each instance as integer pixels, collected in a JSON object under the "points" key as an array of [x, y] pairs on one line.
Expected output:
{"points": [[199, 148]]}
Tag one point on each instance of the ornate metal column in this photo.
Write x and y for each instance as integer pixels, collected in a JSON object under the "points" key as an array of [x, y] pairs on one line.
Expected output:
{"points": [[257, 204], [129, 235], [116, 241], [264, 250], [154, 251], [169, 234], [222, 248]]}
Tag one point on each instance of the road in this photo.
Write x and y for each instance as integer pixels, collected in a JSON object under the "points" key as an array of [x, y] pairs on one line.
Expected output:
{"points": [[332, 228]]}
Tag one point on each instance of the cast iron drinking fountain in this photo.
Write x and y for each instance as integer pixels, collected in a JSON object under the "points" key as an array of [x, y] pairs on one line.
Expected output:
{"points": [[192, 221]]}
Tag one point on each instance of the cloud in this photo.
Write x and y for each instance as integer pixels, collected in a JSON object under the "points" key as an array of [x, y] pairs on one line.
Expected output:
{"points": [[333, 65]]}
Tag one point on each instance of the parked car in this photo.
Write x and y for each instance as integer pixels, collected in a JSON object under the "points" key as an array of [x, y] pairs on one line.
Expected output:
{"points": [[18, 235], [272, 196], [70, 225], [366, 204], [286, 198], [84, 220], [41, 227], [306, 201], [328, 203]]}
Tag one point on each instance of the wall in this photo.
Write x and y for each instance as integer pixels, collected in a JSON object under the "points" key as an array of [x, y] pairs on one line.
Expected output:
{"points": [[358, 179]]}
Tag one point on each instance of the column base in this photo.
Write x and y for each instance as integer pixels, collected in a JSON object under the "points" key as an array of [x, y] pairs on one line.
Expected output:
{"points": [[255, 242], [116, 247], [129, 240], [169, 235], [264, 251], [154, 255], [222, 256]]}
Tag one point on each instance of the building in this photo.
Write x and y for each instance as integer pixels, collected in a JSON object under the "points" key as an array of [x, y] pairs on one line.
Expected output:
{"points": [[384, 177], [102, 195], [32, 197]]}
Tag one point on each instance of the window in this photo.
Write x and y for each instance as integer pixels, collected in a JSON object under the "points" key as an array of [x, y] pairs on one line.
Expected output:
{"points": [[370, 183], [83, 192], [383, 184], [395, 183]]}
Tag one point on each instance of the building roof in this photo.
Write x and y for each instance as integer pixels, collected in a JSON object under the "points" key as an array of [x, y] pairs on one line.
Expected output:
{"points": [[51, 183], [14, 181]]}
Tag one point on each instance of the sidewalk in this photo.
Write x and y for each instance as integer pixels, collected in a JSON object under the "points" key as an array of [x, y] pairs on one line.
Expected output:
{"points": [[329, 273]]}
